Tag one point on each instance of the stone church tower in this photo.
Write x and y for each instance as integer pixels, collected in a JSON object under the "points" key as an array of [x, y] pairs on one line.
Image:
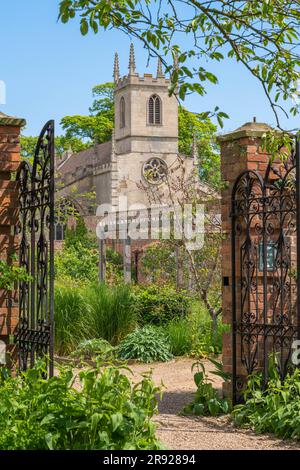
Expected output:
{"points": [[143, 149], [146, 129]]}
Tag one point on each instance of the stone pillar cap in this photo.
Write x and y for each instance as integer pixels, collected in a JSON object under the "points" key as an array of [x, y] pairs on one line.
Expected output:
{"points": [[11, 121], [249, 129]]}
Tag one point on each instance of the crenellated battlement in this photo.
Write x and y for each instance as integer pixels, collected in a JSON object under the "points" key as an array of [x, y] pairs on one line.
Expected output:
{"points": [[133, 78], [147, 79]]}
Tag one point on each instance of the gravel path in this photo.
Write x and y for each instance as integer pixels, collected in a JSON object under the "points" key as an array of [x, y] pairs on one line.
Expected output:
{"points": [[195, 433]]}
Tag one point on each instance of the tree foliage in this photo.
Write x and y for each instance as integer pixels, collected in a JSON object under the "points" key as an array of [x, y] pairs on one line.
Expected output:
{"points": [[262, 35], [62, 144], [98, 125], [194, 124]]}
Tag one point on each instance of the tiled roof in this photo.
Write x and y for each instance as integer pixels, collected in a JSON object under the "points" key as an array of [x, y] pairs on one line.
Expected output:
{"points": [[96, 155]]}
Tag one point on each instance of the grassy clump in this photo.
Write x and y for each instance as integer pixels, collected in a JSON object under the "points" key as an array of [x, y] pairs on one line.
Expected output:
{"points": [[193, 334], [111, 314], [71, 318], [180, 336], [93, 311]]}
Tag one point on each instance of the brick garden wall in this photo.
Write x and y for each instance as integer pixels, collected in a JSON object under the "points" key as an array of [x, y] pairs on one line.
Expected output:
{"points": [[9, 163], [240, 150]]}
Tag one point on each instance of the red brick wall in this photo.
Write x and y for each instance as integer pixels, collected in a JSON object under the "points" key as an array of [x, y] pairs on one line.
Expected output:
{"points": [[9, 163], [241, 150]]}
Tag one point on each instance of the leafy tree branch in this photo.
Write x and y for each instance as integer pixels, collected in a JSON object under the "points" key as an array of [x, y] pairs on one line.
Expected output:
{"points": [[262, 35]]}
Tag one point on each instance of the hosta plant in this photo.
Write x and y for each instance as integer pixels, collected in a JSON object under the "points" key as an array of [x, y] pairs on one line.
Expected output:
{"points": [[146, 344]]}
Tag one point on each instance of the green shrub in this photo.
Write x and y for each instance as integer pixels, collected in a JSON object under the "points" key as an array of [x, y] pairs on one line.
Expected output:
{"points": [[114, 267], [78, 263], [115, 258], [78, 236], [147, 344], [275, 409], [159, 304], [158, 263], [93, 348], [207, 400], [79, 258], [107, 413]]}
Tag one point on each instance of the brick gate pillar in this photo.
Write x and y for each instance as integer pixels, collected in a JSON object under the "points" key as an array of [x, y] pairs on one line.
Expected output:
{"points": [[9, 162], [240, 150]]}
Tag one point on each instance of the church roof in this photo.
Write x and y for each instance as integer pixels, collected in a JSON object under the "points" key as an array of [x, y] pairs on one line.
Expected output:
{"points": [[97, 155]]}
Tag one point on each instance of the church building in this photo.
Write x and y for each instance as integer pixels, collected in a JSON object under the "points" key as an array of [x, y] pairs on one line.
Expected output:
{"points": [[143, 149]]}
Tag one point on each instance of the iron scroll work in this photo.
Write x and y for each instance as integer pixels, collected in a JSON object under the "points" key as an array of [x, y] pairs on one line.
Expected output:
{"points": [[35, 332], [265, 263]]}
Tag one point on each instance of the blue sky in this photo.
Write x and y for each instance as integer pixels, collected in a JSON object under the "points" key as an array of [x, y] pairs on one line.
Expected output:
{"points": [[49, 70]]}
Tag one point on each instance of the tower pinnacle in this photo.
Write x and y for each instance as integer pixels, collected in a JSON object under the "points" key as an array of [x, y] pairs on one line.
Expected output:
{"points": [[116, 69], [131, 60], [160, 73]]}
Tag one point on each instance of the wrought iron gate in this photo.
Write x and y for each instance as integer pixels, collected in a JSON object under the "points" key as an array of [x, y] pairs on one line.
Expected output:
{"points": [[34, 335], [265, 269]]}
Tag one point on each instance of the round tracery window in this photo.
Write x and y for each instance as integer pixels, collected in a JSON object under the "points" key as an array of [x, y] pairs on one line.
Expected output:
{"points": [[155, 170]]}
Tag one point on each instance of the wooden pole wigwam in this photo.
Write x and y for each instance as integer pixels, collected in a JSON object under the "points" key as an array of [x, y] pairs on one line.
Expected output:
{"points": [[137, 254], [127, 260], [102, 261], [179, 268]]}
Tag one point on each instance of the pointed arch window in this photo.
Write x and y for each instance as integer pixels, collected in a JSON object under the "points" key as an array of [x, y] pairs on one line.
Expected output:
{"points": [[154, 110], [122, 113], [59, 231]]}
